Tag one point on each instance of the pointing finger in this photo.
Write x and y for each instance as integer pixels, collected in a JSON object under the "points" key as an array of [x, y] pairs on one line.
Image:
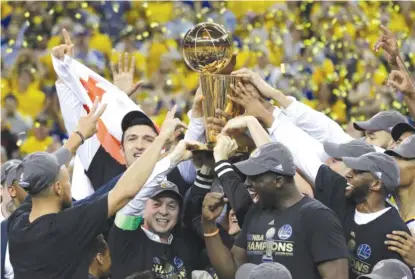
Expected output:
{"points": [[66, 37], [100, 111], [126, 62], [94, 106]]}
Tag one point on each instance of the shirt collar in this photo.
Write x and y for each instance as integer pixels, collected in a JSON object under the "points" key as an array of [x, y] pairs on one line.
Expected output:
{"points": [[155, 237]]}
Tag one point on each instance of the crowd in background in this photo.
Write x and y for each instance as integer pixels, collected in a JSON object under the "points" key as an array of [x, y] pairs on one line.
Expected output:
{"points": [[319, 52]]}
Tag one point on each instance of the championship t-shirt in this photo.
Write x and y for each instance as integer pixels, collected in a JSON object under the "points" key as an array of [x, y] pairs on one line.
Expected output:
{"points": [[55, 245], [365, 241], [133, 251], [299, 237]]}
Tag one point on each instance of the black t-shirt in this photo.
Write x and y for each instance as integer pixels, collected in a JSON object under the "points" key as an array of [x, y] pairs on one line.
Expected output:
{"points": [[299, 237], [366, 241], [55, 245], [133, 251]]}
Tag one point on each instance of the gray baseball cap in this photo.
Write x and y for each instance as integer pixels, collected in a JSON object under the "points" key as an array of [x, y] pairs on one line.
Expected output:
{"points": [[263, 271], [354, 148], [401, 128], [6, 168], [166, 186], [389, 269], [379, 165], [383, 121], [273, 157], [405, 150], [39, 170]]}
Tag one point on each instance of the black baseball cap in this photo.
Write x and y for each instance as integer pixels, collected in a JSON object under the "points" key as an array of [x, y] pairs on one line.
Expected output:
{"points": [[389, 269], [273, 157], [137, 117], [380, 165], [405, 150], [354, 148], [401, 128], [167, 187], [383, 121], [39, 170]]}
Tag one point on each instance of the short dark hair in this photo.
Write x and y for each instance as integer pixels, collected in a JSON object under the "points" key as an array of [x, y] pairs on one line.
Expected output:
{"points": [[97, 245], [148, 274]]}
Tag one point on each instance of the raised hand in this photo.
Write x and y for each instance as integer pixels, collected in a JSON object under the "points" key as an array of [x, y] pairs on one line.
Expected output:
{"points": [[224, 148], [123, 74], [401, 80], [389, 44], [182, 151], [64, 49], [213, 206], [197, 108], [248, 100], [404, 244], [239, 124], [170, 125], [263, 87], [88, 125]]}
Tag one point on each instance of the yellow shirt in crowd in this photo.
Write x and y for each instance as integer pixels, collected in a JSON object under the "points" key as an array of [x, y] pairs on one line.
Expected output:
{"points": [[32, 144]]}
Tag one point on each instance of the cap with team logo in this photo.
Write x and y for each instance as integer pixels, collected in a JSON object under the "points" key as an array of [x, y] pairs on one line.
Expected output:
{"points": [[399, 129], [273, 157], [39, 170], [354, 148], [263, 271], [383, 121], [405, 150], [166, 187], [379, 165], [389, 269]]}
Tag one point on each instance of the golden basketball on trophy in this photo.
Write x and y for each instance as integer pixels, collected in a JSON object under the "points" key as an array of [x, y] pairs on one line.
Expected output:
{"points": [[208, 49]]}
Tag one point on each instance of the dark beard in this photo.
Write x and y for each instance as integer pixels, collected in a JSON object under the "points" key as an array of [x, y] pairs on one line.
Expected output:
{"points": [[267, 199], [359, 194]]}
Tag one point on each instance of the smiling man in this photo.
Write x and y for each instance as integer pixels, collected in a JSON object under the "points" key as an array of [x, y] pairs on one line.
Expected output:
{"points": [[158, 244]]}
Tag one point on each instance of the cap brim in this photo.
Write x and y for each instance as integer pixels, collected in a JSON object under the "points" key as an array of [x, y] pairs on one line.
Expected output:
{"points": [[155, 194], [372, 276], [244, 271], [250, 168], [399, 129], [355, 163], [362, 125], [396, 152], [332, 149], [131, 116], [11, 176]]}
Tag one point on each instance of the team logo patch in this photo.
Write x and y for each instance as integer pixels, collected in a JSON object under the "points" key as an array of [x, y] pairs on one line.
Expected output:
{"points": [[351, 245], [178, 263], [165, 184], [285, 232], [378, 265], [364, 251]]}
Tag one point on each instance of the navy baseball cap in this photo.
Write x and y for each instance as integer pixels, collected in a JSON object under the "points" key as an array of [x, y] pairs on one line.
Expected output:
{"points": [[273, 157], [383, 121], [40, 169], [399, 129], [354, 148], [380, 165], [136, 117], [405, 150]]}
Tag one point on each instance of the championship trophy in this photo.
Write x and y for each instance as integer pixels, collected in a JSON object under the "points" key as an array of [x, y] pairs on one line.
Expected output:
{"points": [[207, 49]]}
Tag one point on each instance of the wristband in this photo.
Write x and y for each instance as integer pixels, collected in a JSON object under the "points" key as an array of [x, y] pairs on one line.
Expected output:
{"points": [[81, 136], [211, 234]]}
